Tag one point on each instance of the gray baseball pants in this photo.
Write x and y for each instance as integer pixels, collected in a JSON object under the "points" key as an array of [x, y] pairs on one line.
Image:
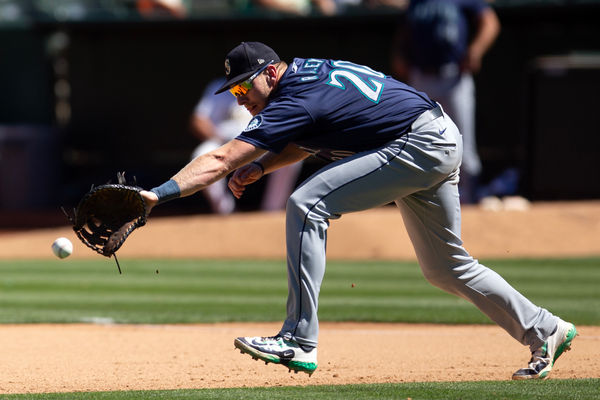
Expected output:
{"points": [[419, 172]]}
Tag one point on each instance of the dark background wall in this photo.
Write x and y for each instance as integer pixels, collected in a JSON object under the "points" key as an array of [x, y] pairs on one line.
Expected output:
{"points": [[132, 86]]}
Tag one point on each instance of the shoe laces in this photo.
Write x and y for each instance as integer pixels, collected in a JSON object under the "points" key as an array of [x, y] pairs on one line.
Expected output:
{"points": [[273, 339], [276, 337], [305, 348], [539, 356]]}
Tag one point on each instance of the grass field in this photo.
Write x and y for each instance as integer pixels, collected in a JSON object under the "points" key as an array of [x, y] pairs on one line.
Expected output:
{"points": [[583, 389], [221, 291], [178, 291]]}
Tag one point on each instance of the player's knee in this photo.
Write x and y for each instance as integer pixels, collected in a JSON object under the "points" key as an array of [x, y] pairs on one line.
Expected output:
{"points": [[295, 204], [440, 278], [296, 208], [450, 278], [299, 207]]}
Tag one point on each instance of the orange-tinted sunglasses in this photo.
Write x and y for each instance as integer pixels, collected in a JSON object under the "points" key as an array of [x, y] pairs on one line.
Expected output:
{"points": [[244, 87]]}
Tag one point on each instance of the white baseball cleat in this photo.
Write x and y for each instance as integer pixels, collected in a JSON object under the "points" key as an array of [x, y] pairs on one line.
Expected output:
{"points": [[543, 359], [277, 350]]}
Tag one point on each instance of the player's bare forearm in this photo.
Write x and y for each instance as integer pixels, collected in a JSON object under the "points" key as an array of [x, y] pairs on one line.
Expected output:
{"points": [[290, 154], [210, 167]]}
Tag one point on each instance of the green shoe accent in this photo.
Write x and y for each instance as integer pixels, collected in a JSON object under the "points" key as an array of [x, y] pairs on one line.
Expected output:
{"points": [[566, 344], [302, 366]]}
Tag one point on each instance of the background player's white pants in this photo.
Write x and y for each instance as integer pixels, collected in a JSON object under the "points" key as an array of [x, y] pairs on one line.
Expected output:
{"points": [[420, 173], [280, 184], [456, 93]]}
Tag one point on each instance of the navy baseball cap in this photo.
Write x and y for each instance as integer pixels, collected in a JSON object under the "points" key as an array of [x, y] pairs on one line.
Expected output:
{"points": [[244, 60]]}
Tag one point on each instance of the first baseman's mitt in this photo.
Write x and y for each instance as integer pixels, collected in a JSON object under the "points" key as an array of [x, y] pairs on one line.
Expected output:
{"points": [[107, 215]]}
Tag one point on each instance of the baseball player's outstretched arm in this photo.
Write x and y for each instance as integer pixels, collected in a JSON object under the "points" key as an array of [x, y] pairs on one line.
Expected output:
{"points": [[211, 167], [206, 169]]}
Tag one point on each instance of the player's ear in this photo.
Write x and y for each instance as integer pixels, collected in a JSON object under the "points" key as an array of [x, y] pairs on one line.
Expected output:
{"points": [[271, 75]]}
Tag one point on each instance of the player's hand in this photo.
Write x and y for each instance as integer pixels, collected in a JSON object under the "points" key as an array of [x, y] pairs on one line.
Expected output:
{"points": [[150, 198], [243, 177]]}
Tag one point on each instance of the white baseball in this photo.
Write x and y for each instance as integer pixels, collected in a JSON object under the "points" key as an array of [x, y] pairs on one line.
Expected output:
{"points": [[62, 247]]}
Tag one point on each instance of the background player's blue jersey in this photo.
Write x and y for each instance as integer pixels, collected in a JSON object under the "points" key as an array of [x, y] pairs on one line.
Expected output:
{"points": [[334, 109], [441, 30]]}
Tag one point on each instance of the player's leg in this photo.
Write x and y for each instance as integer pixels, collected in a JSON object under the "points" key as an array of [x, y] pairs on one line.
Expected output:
{"points": [[324, 196], [432, 219], [308, 212], [353, 184]]}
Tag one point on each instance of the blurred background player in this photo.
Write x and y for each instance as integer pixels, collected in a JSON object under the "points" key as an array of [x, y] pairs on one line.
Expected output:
{"points": [[163, 8], [216, 120], [292, 7], [437, 50]]}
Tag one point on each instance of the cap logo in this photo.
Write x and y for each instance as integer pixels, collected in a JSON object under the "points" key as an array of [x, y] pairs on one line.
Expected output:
{"points": [[227, 67], [260, 60]]}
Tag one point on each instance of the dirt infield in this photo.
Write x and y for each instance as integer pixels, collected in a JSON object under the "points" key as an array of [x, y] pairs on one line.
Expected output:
{"points": [[87, 357], [66, 358]]}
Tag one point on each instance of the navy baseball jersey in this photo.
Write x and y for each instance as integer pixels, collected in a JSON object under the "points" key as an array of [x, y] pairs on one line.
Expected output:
{"points": [[441, 30], [334, 109]]}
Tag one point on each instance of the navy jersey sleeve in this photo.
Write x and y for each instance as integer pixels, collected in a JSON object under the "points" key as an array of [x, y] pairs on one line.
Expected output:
{"points": [[280, 123]]}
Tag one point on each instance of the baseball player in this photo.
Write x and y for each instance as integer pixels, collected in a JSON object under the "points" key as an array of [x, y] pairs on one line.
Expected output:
{"points": [[386, 142], [438, 50]]}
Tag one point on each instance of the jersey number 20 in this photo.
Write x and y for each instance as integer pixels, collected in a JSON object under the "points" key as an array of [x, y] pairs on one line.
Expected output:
{"points": [[368, 87]]}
